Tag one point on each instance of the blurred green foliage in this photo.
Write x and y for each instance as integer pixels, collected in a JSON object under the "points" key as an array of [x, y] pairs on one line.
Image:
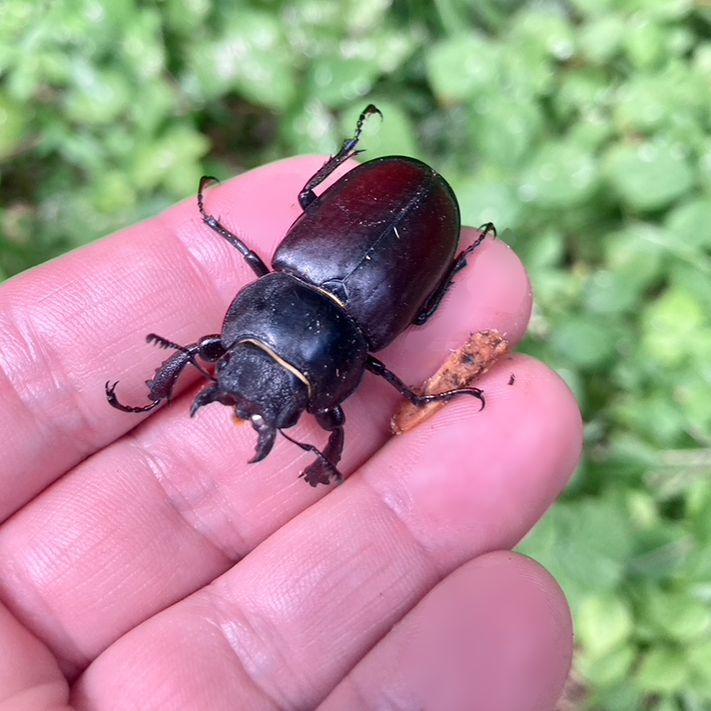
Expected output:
{"points": [[583, 127]]}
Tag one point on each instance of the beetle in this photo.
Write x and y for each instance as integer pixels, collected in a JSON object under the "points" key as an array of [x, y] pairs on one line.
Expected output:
{"points": [[375, 252]]}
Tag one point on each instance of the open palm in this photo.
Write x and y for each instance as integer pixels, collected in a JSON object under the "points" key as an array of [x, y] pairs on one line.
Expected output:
{"points": [[146, 565]]}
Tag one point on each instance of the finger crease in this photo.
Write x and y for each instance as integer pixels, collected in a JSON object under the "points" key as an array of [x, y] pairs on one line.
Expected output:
{"points": [[49, 376], [399, 521], [247, 646], [160, 469]]}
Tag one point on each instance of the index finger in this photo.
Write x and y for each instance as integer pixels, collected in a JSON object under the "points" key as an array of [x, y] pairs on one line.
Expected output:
{"points": [[72, 324]]}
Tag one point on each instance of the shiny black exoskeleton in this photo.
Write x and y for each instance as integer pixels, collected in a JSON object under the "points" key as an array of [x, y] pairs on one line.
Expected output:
{"points": [[372, 254]]}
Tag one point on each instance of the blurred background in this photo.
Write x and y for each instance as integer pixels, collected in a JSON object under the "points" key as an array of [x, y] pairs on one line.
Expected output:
{"points": [[582, 128]]}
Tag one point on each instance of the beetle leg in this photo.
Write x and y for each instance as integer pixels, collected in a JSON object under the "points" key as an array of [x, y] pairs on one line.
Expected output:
{"points": [[433, 302], [317, 472], [110, 391], [348, 150], [252, 258], [324, 468], [378, 368], [160, 386]]}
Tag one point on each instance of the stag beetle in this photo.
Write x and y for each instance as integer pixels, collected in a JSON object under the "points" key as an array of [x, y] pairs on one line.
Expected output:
{"points": [[372, 254]]}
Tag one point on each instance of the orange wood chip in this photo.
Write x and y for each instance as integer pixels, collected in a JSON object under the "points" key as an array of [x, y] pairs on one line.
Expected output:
{"points": [[460, 370]]}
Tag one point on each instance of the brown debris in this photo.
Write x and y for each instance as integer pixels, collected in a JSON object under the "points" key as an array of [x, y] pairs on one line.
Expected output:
{"points": [[460, 370]]}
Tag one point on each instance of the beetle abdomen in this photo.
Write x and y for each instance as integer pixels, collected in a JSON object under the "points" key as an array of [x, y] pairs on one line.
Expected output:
{"points": [[380, 240], [303, 330]]}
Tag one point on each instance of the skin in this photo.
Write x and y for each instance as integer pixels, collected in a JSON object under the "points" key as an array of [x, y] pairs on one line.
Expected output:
{"points": [[144, 564]]}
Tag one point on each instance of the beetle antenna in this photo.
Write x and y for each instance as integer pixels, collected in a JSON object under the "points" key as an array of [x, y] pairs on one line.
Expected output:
{"points": [[161, 342], [328, 464]]}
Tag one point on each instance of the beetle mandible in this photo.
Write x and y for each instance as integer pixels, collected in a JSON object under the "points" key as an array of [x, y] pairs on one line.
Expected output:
{"points": [[372, 254]]}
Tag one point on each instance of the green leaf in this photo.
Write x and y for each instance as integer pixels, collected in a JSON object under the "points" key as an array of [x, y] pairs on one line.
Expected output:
{"points": [[591, 131], [620, 696], [651, 415], [313, 129], [669, 323], [672, 99], [663, 670], [603, 623], [169, 162], [653, 10], [504, 129], [586, 544], [667, 704], [559, 175], [676, 615], [705, 166], [143, 46], [634, 262], [388, 48], [13, 126], [543, 253], [583, 92], [97, 96], [609, 669], [545, 29], [339, 81], [601, 38], [525, 74], [699, 656], [642, 105], [364, 15], [584, 341], [641, 505], [648, 176], [462, 67], [690, 223], [249, 56], [692, 388], [644, 42], [113, 192], [184, 16], [594, 8], [483, 200]]}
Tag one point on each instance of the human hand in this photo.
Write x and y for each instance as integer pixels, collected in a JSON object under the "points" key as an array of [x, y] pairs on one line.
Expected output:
{"points": [[151, 567]]}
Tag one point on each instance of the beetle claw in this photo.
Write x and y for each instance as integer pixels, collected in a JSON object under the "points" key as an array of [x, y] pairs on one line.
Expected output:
{"points": [[207, 180], [321, 473]]}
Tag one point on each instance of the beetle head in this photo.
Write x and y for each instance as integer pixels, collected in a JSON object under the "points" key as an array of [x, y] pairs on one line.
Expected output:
{"points": [[261, 391]]}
